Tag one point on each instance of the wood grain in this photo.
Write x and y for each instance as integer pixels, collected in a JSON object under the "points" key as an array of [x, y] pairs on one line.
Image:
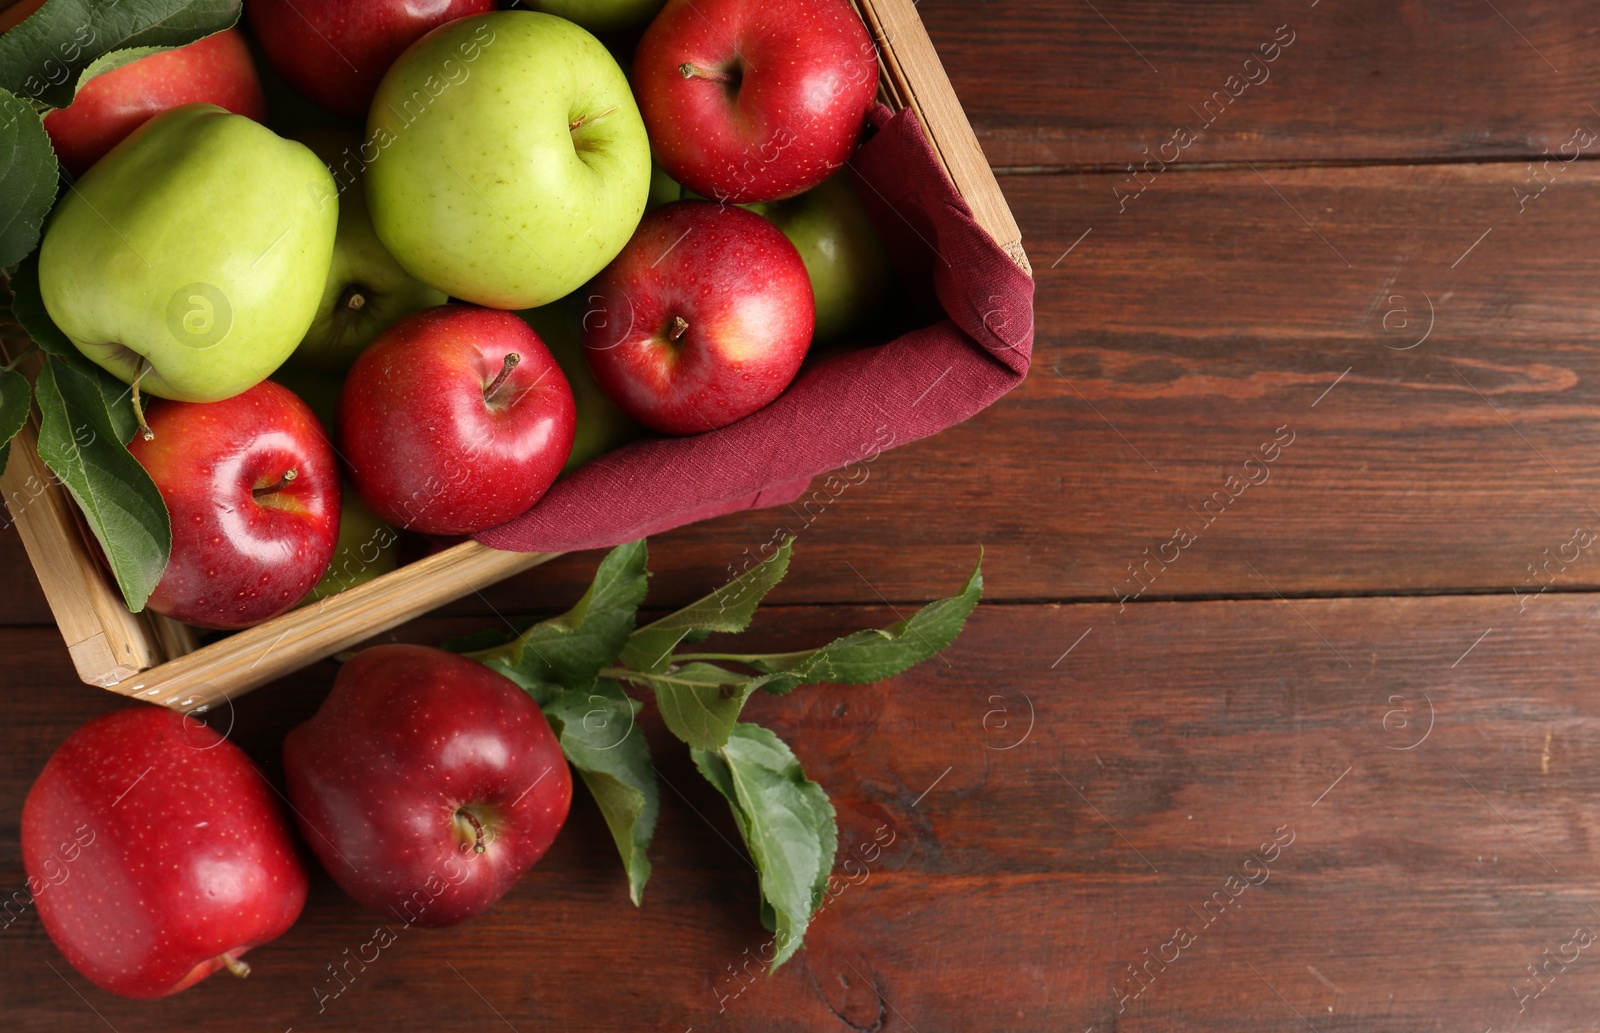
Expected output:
{"points": [[1195, 324], [1071, 784], [912, 77], [1081, 84], [1176, 338], [155, 658], [1418, 884]]}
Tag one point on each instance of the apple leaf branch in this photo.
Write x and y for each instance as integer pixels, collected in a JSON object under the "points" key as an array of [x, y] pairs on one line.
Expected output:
{"points": [[28, 173], [580, 664], [65, 43], [85, 422]]}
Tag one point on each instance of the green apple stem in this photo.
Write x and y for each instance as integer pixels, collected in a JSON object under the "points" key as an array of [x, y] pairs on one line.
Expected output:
{"points": [[505, 372], [579, 123], [236, 966], [680, 326], [690, 70], [354, 297], [138, 406], [272, 489], [467, 816]]}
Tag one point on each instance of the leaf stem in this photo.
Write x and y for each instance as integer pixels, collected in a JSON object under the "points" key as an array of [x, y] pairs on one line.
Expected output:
{"points": [[629, 674], [29, 350], [777, 659]]}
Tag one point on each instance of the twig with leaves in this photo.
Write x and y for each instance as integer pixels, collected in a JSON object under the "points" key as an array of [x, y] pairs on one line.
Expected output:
{"points": [[580, 667]]}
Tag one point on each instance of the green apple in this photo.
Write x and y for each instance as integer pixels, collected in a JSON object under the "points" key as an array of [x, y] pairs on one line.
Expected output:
{"points": [[849, 268], [602, 15], [507, 160], [601, 425], [366, 289], [366, 548], [663, 188], [193, 255]]}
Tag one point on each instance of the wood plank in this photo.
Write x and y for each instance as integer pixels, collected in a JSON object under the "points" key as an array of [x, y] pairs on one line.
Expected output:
{"points": [[1188, 330], [912, 76], [105, 640], [235, 664], [1418, 884], [1196, 324], [1072, 84]]}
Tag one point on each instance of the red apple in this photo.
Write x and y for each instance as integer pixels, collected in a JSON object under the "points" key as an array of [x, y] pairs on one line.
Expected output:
{"points": [[157, 853], [754, 100], [426, 783], [215, 70], [455, 419], [17, 13], [702, 319], [252, 487], [336, 51]]}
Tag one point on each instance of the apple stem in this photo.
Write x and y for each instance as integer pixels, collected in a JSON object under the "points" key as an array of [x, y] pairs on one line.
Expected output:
{"points": [[272, 489], [689, 70], [477, 828], [236, 966], [505, 372], [138, 406], [29, 350], [356, 301], [578, 123], [680, 326]]}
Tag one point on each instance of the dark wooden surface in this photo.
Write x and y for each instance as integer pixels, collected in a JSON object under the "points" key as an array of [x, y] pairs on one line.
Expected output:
{"points": [[1341, 656]]}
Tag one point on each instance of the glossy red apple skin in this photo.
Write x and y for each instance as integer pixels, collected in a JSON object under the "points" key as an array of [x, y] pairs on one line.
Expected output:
{"points": [[408, 740], [427, 448], [215, 70], [806, 73], [238, 559], [741, 287], [336, 51], [157, 848]]}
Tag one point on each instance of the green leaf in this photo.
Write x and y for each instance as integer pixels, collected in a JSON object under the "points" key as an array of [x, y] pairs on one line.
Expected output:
{"points": [[110, 62], [488, 638], [571, 649], [28, 174], [78, 441], [729, 608], [27, 307], [787, 822], [16, 398], [44, 55], [700, 702], [598, 735], [874, 654]]}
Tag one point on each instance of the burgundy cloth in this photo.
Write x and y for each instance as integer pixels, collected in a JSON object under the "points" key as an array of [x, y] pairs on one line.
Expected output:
{"points": [[841, 410]]}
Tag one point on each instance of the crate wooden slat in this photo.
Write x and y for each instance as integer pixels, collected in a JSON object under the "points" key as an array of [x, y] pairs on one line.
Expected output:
{"points": [[150, 657], [914, 78]]}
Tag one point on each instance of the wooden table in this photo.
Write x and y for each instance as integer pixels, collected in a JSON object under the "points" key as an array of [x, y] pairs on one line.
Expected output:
{"points": [[1327, 761]]}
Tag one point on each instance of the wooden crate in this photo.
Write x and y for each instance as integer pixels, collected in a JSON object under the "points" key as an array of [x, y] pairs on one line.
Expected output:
{"points": [[153, 658]]}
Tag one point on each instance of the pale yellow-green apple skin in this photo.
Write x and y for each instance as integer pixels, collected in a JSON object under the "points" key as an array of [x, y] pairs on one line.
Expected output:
{"points": [[367, 290], [849, 269], [601, 426], [602, 15], [509, 161], [197, 250]]}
